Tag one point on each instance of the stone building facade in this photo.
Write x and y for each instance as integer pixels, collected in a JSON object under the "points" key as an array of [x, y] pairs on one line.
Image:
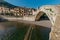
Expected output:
{"points": [[16, 11]]}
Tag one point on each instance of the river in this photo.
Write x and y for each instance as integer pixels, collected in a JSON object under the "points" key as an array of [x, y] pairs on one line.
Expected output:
{"points": [[23, 31]]}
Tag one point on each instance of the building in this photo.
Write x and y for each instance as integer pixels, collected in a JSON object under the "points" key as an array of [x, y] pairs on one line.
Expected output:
{"points": [[12, 10]]}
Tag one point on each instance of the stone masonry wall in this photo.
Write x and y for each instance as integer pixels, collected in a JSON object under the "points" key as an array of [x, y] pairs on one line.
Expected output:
{"points": [[55, 32]]}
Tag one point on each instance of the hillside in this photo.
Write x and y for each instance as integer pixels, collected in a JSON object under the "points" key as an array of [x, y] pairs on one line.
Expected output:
{"points": [[6, 4]]}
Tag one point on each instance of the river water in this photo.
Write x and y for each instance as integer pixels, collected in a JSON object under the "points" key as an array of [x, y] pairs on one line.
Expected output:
{"points": [[22, 31]]}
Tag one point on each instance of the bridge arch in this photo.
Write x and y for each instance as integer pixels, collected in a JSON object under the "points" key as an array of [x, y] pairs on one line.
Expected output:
{"points": [[50, 11], [40, 16], [53, 13]]}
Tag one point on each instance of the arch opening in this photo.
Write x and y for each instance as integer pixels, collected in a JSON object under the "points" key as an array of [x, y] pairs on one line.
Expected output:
{"points": [[44, 19], [41, 16]]}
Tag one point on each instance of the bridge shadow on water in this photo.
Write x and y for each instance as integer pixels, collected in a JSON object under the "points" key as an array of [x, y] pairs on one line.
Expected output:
{"points": [[40, 33], [20, 31]]}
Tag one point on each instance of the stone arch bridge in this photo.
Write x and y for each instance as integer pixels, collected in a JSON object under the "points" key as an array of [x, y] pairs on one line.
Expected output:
{"points": [[53, 13]]}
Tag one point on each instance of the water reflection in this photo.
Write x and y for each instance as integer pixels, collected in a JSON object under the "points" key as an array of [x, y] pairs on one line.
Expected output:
{"points": [[22, 31]]}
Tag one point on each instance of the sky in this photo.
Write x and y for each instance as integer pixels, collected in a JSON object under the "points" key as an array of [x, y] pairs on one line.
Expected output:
{"points": [[33, 3]]}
